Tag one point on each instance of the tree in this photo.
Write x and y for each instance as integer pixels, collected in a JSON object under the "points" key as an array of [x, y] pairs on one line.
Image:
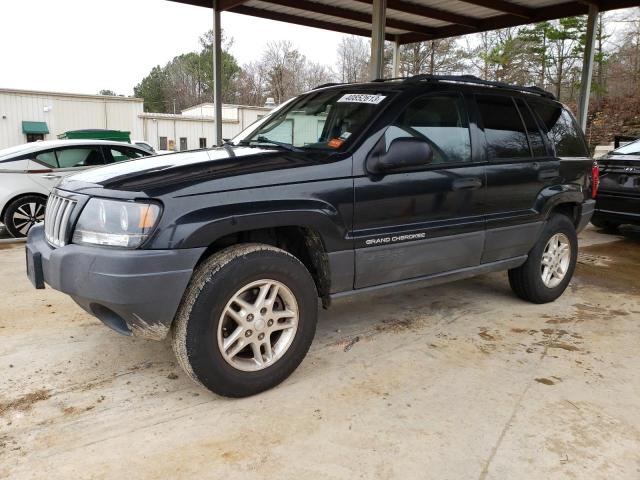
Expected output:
{"points": [[154, 89], [188, 80], [353, 59], [444, 56], [106, 92]]}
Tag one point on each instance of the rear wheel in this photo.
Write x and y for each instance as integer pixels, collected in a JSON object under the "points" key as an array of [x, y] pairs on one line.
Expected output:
{"points": [[551, 263], [246, 321], [23, 213]]}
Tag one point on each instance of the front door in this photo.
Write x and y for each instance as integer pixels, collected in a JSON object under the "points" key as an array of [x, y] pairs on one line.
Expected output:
{"points": [[414, 224]]}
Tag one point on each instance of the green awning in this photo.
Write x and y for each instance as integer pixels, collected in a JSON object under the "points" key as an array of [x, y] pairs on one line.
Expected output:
{"points": [[35, 127]]}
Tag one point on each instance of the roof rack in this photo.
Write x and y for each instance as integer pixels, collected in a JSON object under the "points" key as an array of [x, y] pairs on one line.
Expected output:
{"points": [[330, 84], [472, 79]]}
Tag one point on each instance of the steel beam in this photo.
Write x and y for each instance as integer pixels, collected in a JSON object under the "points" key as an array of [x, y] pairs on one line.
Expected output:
{"points": [[217, 74], [587, 67], [396, 57], [378, 21]]}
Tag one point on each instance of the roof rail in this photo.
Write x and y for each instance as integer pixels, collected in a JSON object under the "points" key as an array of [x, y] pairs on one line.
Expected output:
{"points": [[330, 84], [472, 79]]}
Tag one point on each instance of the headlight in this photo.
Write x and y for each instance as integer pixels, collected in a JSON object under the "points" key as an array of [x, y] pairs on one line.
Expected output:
{"points": [[116, 223]]}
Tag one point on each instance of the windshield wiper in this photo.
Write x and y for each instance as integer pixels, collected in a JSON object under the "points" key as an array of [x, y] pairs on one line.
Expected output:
{"points": [[286, 146]]}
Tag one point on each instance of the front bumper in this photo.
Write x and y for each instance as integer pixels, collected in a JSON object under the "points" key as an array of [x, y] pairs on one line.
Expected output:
{"points": [[586, 212], [135, 292]]}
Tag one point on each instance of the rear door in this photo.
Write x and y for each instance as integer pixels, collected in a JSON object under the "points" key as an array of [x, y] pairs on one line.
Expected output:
{"points": [[521, 164], [419, 223]]}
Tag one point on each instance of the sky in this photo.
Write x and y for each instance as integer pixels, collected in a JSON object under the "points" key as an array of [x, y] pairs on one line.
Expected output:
{"points": [[83, 46]]}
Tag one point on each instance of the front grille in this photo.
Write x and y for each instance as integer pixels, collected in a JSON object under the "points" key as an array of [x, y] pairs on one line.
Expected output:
{"points": [[56, 219]]}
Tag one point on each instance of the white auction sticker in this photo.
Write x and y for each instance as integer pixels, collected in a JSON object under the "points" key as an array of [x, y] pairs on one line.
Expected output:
{"points": [[361, 98]]}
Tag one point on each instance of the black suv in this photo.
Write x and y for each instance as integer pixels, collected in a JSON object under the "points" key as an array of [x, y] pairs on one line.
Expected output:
{"points": [[345, 189], [619, 192]]}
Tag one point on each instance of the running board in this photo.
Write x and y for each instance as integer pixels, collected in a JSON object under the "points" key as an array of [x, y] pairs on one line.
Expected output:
{"points": [[444, 277]]}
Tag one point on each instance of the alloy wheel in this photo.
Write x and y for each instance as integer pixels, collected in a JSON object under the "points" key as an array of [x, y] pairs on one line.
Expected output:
{"points": [[258, 324]]}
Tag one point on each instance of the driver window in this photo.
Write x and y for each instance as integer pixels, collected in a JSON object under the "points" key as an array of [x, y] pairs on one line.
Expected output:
{"points": [[441, 121]]}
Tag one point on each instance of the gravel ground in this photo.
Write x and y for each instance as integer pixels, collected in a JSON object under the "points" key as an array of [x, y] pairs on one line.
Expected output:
{"points": [[453, 382]]}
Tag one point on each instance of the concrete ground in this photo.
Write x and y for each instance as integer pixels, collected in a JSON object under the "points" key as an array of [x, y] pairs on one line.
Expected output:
{"points": [[458, 381]]}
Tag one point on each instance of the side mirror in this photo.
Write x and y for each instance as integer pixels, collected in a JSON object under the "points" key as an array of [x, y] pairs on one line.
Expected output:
{"points": [[404, 154]]}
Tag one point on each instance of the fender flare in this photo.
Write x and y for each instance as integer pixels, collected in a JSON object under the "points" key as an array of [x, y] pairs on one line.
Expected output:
{"points": [[202, 227]]}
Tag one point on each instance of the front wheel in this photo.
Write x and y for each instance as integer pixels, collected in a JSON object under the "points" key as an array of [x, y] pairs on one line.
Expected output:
{"points": [[246, 321], [551, 263], [23, 213]]}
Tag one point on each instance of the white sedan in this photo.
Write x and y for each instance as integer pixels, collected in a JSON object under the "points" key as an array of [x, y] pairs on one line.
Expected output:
{"points": [[28, 173]]}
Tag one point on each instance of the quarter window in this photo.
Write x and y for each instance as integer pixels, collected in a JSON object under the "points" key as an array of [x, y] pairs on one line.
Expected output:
{"points": [[505, 134], [563, 131], [47, 158], [440, 120]]}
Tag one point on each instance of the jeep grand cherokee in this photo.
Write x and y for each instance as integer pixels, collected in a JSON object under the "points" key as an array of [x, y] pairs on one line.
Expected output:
{"points": [[346, 189]]}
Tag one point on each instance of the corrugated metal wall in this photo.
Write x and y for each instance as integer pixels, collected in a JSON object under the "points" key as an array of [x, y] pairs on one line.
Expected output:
{"points": [[65, 112]]}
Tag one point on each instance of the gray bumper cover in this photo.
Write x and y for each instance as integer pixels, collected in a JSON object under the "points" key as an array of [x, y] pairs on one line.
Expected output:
{"points": [[586, 212], [132, 291]]}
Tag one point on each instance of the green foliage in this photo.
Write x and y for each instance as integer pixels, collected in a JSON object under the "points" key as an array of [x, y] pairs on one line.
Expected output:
{"points": [[187, 80], [110, 93]]}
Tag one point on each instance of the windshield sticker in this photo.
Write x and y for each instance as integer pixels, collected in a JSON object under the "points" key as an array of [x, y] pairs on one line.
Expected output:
{"points": [[361, 98], [335, 143]]}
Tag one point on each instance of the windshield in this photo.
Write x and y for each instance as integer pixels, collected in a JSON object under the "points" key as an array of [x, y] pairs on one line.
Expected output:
{"points": [[632, 148], [326, 120]]}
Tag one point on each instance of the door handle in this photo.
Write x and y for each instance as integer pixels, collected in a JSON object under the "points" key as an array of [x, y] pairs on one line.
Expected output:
{"points": [[51, 175], [466, 184]]}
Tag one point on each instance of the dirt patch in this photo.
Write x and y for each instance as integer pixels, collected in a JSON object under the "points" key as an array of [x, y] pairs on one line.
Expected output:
{"points": [[25, 402], [563, 346], [619, 272], [545, 381], [486, 336]]}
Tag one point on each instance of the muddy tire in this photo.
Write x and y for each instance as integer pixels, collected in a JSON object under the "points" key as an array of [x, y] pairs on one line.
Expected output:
{"points": [[246, 320], [551, 263], [606, 225], [23, 213]]}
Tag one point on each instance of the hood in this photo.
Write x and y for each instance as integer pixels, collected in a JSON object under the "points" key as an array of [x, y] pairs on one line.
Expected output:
{"points": [[187, 168]]}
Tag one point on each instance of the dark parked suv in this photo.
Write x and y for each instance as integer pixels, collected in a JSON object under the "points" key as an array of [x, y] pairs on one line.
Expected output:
{"points": [[619, 193], [345, 189]]}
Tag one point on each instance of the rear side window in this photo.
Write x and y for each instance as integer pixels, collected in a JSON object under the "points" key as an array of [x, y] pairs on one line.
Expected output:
{"points": [[535, 136], [440, 120], [505, 134], [119, 154], [80, 157], [562, 129]]}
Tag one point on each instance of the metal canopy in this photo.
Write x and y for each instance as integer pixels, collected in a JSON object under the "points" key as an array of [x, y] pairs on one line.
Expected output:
{"points": [[410, 21]]}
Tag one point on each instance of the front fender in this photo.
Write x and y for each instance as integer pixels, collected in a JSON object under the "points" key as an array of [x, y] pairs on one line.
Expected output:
{"points": [[203, 226]]}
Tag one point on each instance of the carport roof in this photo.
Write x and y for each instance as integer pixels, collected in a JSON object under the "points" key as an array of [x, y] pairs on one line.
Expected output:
{"points": [[415, 20]]}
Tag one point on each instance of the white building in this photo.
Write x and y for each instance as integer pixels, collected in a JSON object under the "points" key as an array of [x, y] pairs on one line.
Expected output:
{"points": [[27, 115]]}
